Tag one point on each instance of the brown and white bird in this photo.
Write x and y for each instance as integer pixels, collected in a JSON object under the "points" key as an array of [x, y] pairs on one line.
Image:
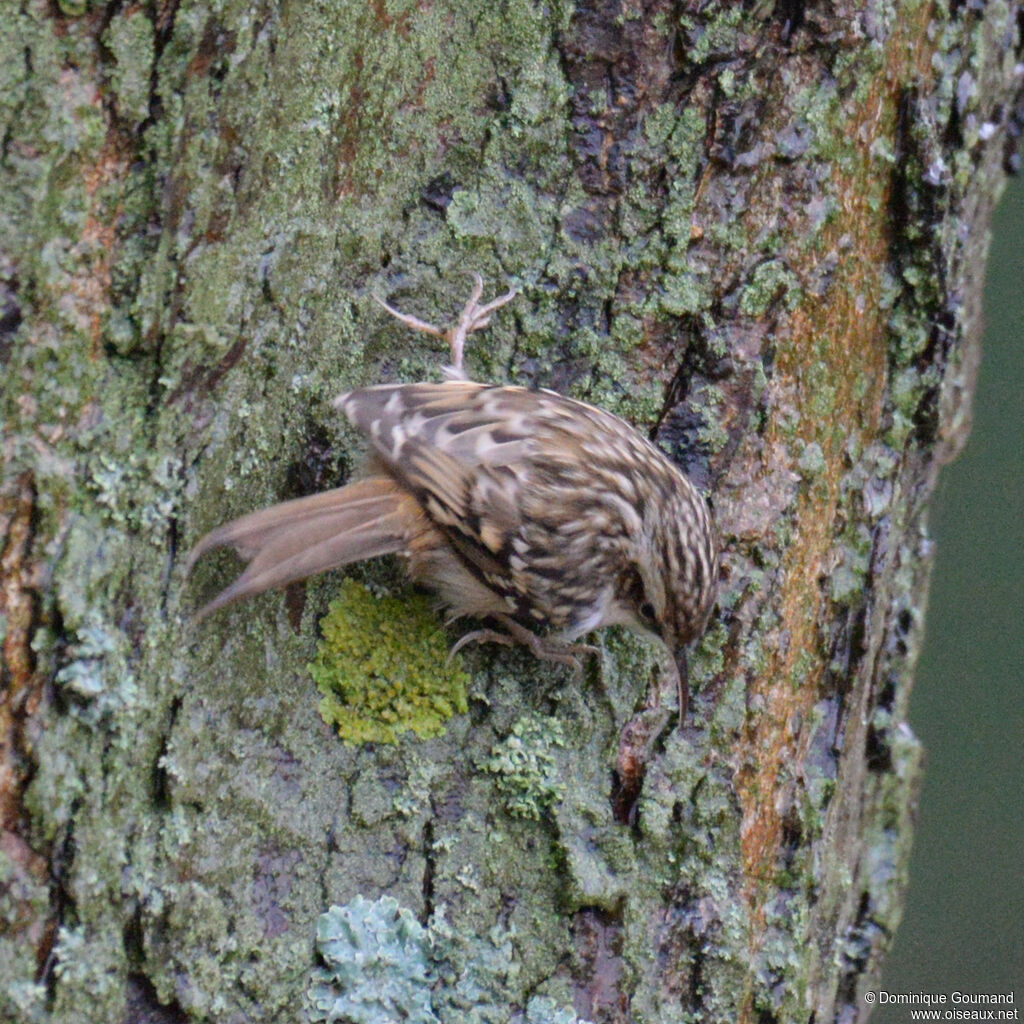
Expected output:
{"points": [[544, 515]]}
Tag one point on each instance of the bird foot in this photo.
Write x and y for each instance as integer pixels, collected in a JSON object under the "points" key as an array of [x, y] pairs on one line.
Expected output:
{"points": [[562, 654], [474, 318]]}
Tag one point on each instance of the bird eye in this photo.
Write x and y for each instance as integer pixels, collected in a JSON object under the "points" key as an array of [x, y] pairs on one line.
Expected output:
{"points": [[647, 611]]}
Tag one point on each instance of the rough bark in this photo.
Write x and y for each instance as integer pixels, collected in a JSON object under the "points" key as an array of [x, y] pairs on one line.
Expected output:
{"points": [[757, 233]]}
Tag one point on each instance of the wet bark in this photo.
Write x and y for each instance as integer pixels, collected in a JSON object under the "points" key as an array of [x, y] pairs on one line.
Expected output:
{"points": [[759, 234]]}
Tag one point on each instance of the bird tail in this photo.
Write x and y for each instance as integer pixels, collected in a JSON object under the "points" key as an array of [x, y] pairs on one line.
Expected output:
{"points": [[299, 538]]}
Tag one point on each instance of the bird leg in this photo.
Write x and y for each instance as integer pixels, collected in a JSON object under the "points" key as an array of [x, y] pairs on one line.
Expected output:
{"points": [[474, 318], [563, 654]]}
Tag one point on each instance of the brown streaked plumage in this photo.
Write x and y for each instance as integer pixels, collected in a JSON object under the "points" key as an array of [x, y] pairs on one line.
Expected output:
{"points": [[520, 506]]}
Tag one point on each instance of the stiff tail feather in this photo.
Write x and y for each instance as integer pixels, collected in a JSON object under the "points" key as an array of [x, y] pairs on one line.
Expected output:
{"points": [[299, 538]]}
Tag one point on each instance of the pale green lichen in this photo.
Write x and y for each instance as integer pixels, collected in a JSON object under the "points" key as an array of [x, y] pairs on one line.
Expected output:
{"points": [[712, 34], [770, 281], [526, 769], [383, 668]]}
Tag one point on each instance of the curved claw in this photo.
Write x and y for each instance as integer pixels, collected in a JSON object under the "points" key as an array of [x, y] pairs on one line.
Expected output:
{"points": [[562, 654], [410, 321], [480, 636]]}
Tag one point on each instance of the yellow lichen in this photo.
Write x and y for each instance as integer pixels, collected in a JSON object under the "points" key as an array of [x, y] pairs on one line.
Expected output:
{"points": [[382, 667]]}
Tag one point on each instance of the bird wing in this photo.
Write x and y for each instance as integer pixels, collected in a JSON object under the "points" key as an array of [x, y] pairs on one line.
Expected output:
{"points": [[467, 451]]}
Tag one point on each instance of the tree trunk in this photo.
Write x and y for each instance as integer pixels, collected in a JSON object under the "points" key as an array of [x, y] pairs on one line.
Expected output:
{"points": [[756, 231]]}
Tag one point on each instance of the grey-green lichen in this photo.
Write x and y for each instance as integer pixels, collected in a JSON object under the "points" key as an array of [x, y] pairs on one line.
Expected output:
{"points": [[476, 972], [383, 668], [23, 898], [130, 36]]}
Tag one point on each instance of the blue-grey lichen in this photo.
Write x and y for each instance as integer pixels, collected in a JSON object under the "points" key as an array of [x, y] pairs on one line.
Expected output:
{"points": [[375, 965], [383, 668], [525, 768], [379, 964], [542, 1010]]}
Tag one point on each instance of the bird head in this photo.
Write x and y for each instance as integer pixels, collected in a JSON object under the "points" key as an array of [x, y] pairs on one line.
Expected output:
{"points": [[673, 590]]}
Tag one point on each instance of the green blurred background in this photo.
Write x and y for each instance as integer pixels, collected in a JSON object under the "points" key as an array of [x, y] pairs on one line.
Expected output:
{"points": [[964, 923]]}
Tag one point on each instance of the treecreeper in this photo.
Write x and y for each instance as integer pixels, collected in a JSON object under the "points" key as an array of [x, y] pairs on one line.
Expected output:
{"points": [[543, 516]]}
